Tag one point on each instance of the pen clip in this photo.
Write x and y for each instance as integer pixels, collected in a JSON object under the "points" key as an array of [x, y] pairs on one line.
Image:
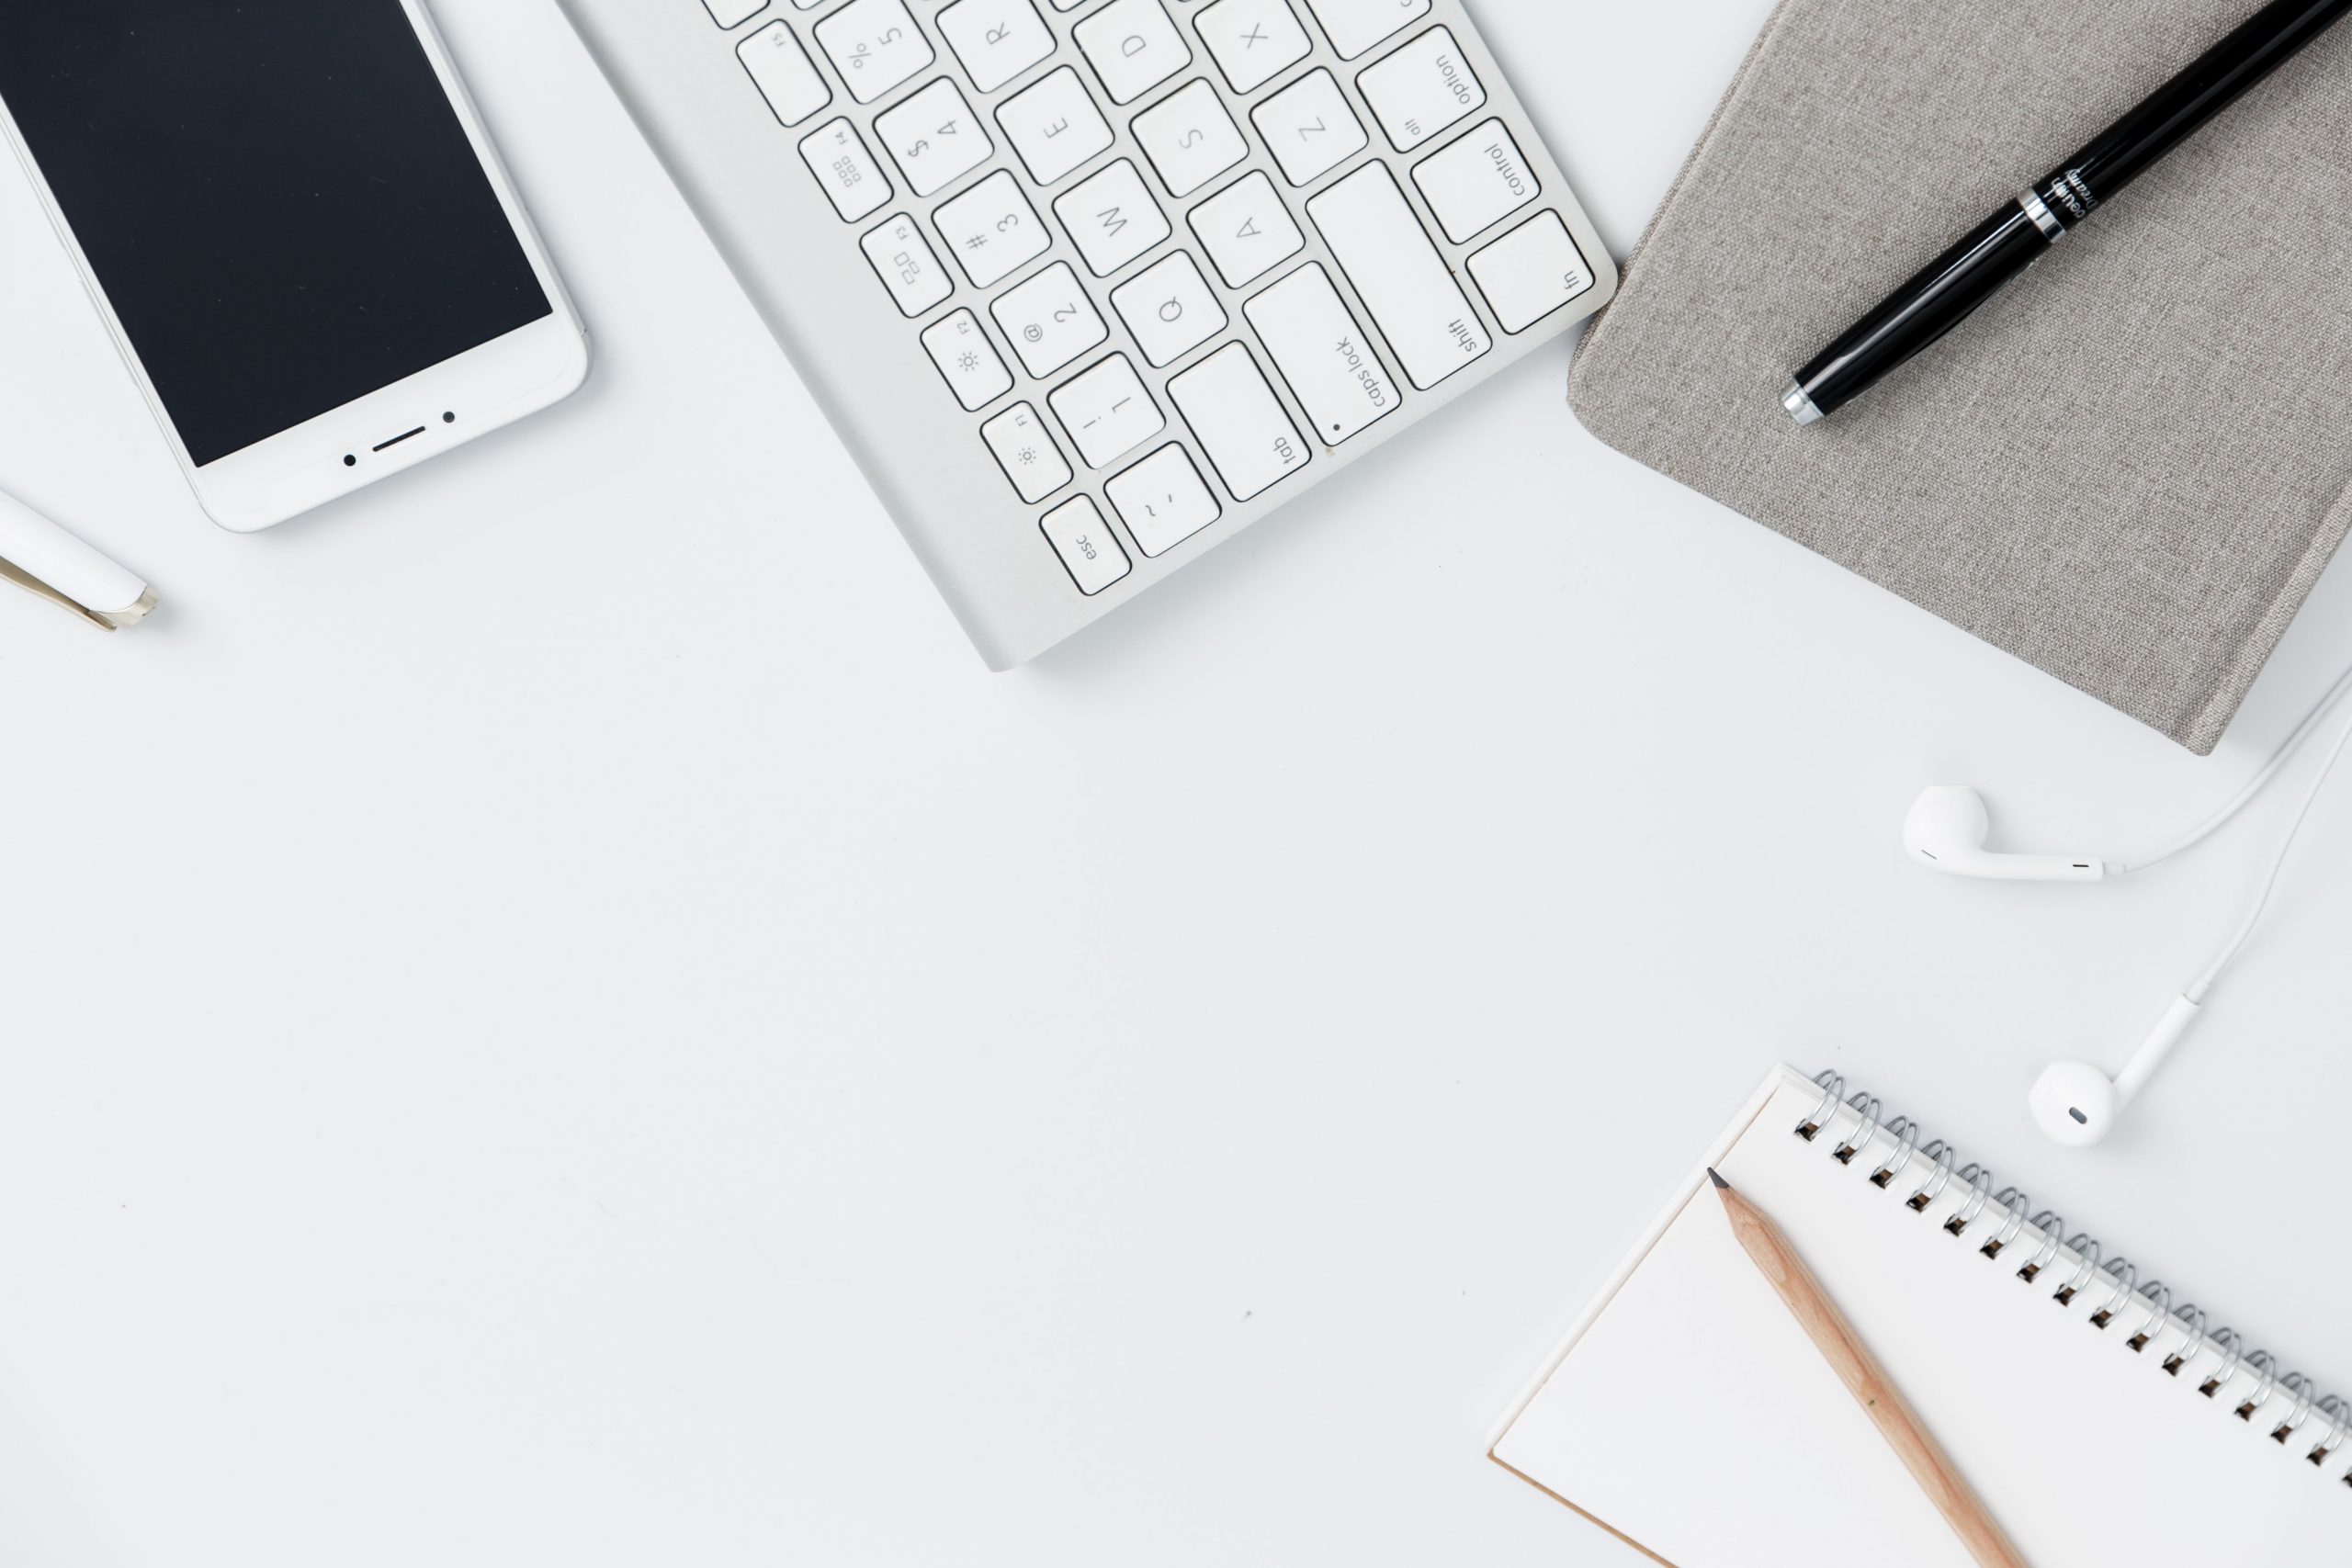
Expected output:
{"points": [[45, 560], [112, 621]]}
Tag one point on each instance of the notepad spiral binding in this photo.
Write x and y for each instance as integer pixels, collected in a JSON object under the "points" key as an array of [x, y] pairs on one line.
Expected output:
{"points": [[2147, 1310]]}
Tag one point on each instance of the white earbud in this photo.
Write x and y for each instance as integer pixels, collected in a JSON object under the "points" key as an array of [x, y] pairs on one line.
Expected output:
{"points": [[2073, 1101], [1947, 830], [2078, 1104]]}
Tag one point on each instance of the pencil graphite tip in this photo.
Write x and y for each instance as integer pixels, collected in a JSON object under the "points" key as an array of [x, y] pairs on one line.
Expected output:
{"points": [[1718, 1180]]}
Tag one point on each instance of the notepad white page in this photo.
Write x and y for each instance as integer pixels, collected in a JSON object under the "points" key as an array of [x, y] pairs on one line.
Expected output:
{"points": [[1691, 1414]]}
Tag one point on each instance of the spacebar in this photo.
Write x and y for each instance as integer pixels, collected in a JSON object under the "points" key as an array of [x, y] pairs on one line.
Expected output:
{"points": [[1399, 275]]}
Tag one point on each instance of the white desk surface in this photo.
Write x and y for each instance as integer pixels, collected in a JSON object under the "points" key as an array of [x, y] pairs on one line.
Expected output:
{"points": [[555, 1014]]}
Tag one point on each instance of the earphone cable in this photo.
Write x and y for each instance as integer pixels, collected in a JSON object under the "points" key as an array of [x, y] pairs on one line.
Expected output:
{"points": [[2278, 865], [2255, 786]]}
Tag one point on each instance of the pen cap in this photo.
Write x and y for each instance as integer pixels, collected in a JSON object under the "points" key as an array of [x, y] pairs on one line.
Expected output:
{"points": [[54, 559]]}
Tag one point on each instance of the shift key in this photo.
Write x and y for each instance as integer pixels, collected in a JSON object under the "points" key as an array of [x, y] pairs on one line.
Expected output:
{"points": [[1398, 274], [1322, 353]]}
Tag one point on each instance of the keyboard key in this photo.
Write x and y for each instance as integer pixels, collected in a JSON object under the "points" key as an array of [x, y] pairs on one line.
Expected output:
{"points": [[1133, 47], [1322, 353], [1250, 440], [1477, 182], [786, 77], [845, 169], [1421, 89], [1163, 501], [935, 136], [1090, 551], [993, 229], [1354, 26], [1253, 40], [1171, 309], [875, 45], [975, 371], [1189, 139], [1112, 218], [1309, 128], [1054, 125], [996, 40], [1031, 460], [1107, 411], [908, 264], [734, 13], [1049, 320], [1246, 229], [1399, 275], [1531, 271]]}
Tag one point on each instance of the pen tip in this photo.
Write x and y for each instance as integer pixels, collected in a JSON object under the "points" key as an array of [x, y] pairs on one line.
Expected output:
{"points": [[1718, 1180]]}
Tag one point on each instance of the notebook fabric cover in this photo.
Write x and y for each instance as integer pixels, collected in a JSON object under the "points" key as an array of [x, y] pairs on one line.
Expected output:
{"points": [[2130, 468]]}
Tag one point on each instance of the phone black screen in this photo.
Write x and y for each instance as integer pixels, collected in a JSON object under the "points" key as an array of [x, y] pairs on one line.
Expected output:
{"points": [[276, 196]]}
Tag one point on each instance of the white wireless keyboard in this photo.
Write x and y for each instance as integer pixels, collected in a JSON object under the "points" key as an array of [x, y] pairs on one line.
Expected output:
{"points": [[1088, 286]]}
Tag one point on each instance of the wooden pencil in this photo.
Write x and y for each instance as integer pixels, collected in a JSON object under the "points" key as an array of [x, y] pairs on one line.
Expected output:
{"points": [[1866, 1380]]}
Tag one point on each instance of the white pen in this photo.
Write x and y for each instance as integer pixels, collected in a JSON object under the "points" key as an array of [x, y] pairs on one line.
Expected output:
{"points": [[39, 556]]}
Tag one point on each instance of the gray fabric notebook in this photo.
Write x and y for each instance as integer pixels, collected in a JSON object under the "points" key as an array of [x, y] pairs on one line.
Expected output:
{"points": [[2128, 469]]}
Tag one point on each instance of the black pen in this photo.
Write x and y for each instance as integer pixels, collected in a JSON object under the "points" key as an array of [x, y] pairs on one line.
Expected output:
{"points": [[1956, 283]]}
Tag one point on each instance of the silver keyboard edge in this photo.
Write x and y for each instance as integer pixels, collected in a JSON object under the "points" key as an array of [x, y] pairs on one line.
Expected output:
{"points": [[740, 172]]}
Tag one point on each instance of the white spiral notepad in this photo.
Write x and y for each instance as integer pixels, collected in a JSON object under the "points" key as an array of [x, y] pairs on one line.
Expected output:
{"points": [[2104, 1418]]}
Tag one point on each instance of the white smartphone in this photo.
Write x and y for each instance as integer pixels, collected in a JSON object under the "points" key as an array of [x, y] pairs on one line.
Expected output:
{"points": [[296, 230]]}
